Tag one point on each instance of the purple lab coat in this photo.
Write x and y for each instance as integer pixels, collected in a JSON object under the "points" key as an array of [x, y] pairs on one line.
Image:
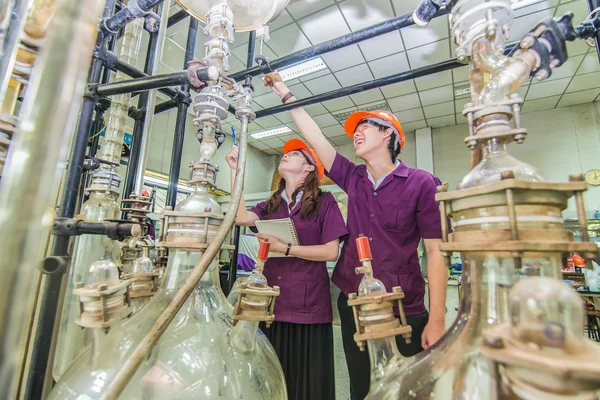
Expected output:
{"points": [[305, 297], [395, 216]]}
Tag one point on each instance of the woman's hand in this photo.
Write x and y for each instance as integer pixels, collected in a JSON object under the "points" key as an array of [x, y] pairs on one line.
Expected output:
{"points": [[232, 158], [276, 245], [274, 81]]}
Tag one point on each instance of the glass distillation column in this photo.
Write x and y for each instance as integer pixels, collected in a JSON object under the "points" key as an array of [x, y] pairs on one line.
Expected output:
{"points": [[376, 323], [101, 205], [507, 221], [136, 252], [32, 38]]}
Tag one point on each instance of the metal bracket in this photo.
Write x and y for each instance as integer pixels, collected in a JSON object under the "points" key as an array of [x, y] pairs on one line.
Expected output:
{"points": [[264, 64], [91, 92], [91, 163], [54, 265], [152, 23]]}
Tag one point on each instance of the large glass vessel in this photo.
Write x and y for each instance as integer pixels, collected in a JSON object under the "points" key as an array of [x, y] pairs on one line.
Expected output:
{"points": [[200, 356]]}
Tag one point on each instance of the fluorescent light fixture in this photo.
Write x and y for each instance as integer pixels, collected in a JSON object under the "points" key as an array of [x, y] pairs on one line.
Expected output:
{"points": [[341, 117], [516, 4], [460, 91], [270, 132], [305, 68]]}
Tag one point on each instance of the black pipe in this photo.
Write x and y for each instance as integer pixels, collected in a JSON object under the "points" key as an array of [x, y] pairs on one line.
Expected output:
{"points": [[400, 22], [97, 127], [388, 80], [136, 73], [182, 108], [177, 17], [592, 5], [114, 23], [49, 302], [165, 106], [140, 84], [234, 257], [138, 127], [251, 47]]}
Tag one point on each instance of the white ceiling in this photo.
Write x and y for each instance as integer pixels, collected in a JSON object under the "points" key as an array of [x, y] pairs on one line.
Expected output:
{"points": [[427, 101]]}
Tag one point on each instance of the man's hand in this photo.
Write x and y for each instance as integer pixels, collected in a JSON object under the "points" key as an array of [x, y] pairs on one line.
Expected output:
{"points": [[274, 81], [432, 333]]}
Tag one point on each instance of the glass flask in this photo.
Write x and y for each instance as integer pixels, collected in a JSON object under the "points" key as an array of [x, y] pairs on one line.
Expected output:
{"points": [[72, 340], [196, 357]]}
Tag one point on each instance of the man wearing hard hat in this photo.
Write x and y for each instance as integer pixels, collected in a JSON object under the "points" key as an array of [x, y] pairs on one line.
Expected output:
{"points": [[394, 205]]}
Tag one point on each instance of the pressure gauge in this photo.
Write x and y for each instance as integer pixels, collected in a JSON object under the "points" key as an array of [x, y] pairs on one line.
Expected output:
{"points": [[592, 177]]}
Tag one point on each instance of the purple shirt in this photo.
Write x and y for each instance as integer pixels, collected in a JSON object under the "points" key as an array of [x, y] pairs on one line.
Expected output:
{"points": [[395, 216], [305, 297]]}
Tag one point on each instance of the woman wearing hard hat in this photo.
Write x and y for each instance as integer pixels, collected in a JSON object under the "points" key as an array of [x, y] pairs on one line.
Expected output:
{"points": [[302, 334], [394, 205]]}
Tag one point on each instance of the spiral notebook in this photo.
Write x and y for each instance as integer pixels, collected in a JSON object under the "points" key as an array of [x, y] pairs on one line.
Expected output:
{"points": [[282, 229]]}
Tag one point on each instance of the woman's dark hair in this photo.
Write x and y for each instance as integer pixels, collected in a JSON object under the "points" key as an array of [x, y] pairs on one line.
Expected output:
{"points": [[394, 152], [310, 199]]}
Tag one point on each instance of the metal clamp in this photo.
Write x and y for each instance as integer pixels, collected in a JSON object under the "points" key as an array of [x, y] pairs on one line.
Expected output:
{"points": [[264, 64], [152, 22]]}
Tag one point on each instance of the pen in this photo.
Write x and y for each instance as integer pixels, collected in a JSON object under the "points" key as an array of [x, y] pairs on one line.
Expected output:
{"points": [[233, 135]]}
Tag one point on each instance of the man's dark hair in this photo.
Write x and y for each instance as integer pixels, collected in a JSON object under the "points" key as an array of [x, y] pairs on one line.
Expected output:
{"points": [[394, 152]]}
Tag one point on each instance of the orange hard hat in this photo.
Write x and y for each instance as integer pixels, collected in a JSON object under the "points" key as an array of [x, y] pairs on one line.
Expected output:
{"points": [[145, 192], [382, 117], [297, 144]]}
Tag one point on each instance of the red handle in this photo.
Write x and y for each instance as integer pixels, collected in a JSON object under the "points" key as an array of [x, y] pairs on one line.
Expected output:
{"points": [[263, 251], [364, 249]]}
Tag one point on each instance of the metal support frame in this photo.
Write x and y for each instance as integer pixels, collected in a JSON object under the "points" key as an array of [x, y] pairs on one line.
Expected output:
{"points": [[233, 262], [177, 17], [182, 109]]}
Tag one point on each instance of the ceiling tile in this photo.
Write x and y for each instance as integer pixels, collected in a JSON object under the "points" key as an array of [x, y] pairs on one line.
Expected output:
{"points": [[368, 96], [461, 74], [273, 152], [291, 136], [315, 109], [577, 47], [413, 115], [363, 13], [285, 117], [268, 100], [586, 96], [547, 89], [459, 104], [583, 82], [440, 122], [461, 119], [405, 102], [343, 58], [437, 95], [354, 75], [287, 40], [411, 126], [390, 65], [322, 85], [338, 104], [566, 70], [299, 90], [333, 131], [429, 54], [325, 120], [342, 139], [301, 8], [292, 126], [324, 25], [405, 6], [398, 89], [578, 8], [282, 20], [382, 46], [522, 91], [439, 110], [315, 75], [434, 80], [259, 146], [415, 36], [589, 64], [269, 121], [545, 103], [273, 142], [523, 24]]}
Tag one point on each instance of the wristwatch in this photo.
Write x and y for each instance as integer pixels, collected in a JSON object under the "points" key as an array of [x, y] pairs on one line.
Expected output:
{"points": [[287, 252], [288, 96]]}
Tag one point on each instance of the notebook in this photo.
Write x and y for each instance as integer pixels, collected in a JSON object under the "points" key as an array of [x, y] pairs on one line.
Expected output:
{"points": [[282, 229]]}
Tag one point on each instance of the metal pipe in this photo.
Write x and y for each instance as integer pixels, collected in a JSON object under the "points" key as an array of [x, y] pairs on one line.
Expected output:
{"points": [[177, 17], [144, 144], [136, 73], [251, 47], [145, 83], [233, 262], [165, 106], [131, 365], [134, 9], [399, 22], [388, 80], [32, 173], [182, 108], [96, 129], [147, 100], [592, 5], [9, 39]]}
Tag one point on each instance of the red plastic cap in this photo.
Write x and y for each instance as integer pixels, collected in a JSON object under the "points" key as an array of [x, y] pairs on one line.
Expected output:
{"points": [[364, 249], [263, 251], [579, 261]]}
